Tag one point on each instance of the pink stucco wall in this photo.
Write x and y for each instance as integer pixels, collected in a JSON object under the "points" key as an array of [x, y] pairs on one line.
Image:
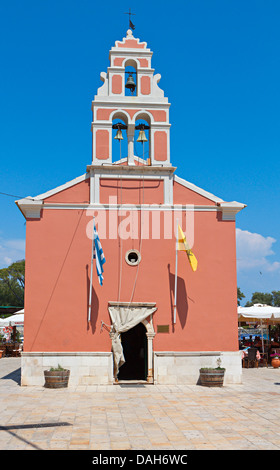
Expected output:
{"points": [[131, 191], [117, 84], [102, 144], [160, 145], [58, 254]]}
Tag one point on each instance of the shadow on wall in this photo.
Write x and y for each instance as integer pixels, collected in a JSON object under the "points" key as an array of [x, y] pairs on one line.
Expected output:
{"points": [[182, 297], [94, 303]]}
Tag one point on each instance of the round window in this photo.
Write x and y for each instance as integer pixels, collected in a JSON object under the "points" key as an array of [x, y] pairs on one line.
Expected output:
{"points": [[133, 257]]}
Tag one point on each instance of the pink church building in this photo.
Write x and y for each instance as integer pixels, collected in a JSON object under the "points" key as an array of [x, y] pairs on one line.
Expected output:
{"points": [[129, 328]]}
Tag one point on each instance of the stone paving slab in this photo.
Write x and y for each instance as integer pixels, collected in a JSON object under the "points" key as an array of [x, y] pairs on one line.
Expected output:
{"points": [[140, 417]]}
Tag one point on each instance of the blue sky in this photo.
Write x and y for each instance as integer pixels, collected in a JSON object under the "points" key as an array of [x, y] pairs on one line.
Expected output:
{"points": [[220, 67]]}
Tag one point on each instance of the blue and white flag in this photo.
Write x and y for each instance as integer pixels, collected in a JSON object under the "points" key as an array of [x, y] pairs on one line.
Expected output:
{"points": [[98, 255]]}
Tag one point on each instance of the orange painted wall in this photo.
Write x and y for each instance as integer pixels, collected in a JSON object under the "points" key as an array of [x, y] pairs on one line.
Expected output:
{"points": [[183, 195], [131, 191], [131, 43], [158, 115], [102, 144], [143, 62], [145, 85], [57, 285], [160, 145], [104, 114], [117, 84], [78, 193]]}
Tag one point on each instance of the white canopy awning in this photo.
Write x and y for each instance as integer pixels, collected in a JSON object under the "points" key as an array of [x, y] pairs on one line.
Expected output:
{"points": [[12, 320], [259, 312]]}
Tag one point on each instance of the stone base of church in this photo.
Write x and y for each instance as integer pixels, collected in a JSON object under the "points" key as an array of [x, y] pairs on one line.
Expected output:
{"points": [[96, 368], [86, 368], [179, 367]]}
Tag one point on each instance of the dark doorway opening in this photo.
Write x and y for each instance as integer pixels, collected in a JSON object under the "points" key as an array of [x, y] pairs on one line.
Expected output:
{"points": [[134, 343]]}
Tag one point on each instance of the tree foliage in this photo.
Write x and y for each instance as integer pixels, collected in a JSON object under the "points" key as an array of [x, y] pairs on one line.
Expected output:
{"points": [[12, 284], [240, 295], [266, 298]]}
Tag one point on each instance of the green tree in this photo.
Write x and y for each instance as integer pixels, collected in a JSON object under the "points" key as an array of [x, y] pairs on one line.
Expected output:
{"points": [[260, 298], [240, 296], [276, 298], [12, 281]]}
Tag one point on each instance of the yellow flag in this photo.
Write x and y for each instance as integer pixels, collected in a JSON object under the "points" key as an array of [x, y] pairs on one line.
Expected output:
{"points": [[183, 245]]}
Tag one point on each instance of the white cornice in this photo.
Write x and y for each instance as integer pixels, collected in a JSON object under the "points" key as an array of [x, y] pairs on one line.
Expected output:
{"points": [[230, 209], [114, 101], [30, 208], [143, 101], [119, 69], [126, 52], [135, 170], [130, 207]]}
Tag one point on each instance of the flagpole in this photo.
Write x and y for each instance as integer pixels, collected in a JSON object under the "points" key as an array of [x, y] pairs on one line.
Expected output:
{"points": [[91, 268], [176, 269]]}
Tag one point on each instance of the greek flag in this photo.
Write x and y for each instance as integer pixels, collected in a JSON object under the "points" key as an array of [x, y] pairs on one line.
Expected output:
{"points": [[98, 255]]}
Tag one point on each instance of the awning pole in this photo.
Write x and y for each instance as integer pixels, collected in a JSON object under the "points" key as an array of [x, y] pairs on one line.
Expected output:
{"points": [[262, 337]]}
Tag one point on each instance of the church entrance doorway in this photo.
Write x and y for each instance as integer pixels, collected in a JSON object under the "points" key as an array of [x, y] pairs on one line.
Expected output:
{"points": [[134, 343], [132, 335]]}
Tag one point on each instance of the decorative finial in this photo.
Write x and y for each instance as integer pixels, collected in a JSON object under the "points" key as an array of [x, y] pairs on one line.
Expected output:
{"points": [[131, 25]]}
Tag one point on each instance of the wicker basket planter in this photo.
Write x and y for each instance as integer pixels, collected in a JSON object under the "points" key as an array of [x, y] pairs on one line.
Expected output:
{"points": [[210, 377], [56, 378]]}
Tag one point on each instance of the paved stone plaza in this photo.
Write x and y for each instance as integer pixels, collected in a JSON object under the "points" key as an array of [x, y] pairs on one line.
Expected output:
{"points": [[146, 417]]}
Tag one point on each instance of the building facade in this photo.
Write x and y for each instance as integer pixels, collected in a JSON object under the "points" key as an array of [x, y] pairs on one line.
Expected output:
{"points": [[137, 201]]}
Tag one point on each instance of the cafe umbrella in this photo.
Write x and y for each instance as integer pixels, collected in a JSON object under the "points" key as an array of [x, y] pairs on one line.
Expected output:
{"points": [[259, 312]]}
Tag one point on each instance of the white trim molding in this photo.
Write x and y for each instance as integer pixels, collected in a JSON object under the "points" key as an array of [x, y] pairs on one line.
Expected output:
{"points": [[230, 209], [30, 208], [97, 172]]}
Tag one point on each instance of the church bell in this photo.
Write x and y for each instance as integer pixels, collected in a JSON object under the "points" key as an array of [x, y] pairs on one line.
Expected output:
{"points": [[130, 83], [142, 137], [119, 135]]}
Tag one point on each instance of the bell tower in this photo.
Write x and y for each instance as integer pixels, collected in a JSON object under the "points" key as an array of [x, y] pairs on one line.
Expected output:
{"points": [[130, 92]]}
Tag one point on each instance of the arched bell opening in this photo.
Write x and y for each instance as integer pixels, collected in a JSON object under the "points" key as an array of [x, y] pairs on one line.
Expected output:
{"points": [[130, 78], [142, 141], [119, 137]]}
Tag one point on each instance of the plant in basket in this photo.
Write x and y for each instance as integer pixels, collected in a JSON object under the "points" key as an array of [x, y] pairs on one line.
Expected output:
{"points": [[212, 376], [56, 377]]}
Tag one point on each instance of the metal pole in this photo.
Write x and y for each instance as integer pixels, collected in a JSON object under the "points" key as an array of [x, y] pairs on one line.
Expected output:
{"points": [[90, 286], [176, 269], [262, 336]]}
